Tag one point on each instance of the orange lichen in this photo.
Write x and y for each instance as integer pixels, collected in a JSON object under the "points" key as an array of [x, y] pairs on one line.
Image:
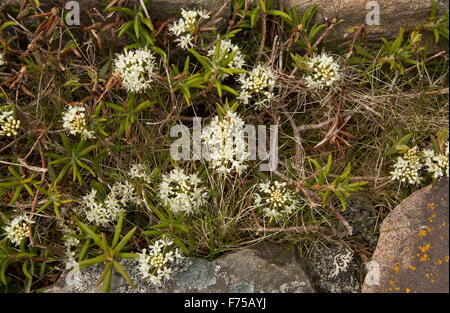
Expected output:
{"points": [[407, 290], [422, 233], [425, 248], [413, 268], [430, 219], [424, 258]]}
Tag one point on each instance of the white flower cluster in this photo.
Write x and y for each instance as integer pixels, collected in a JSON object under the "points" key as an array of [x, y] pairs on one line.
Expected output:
{"points": [[226, 49], [139, 171], [108, 211], [257, 83], [70, 242], [154, 265], [75, 121], [181, 192], [186, 26], [436, 164], [137, 69], [2, 59], [9, 126], [226, 148], [408, 167], [17, 229], [324, 71], [275, 200]]}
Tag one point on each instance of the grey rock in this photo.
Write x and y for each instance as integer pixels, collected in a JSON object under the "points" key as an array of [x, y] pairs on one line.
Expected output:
{"points": [[393, 15], [164, 9], [266, 267], [242, 287], [334, 269], [201, 275], [412, 252], [159, 10], [362, 216]]}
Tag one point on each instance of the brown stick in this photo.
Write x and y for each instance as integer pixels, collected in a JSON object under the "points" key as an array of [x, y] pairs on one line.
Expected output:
{"points": [[263, 36]]}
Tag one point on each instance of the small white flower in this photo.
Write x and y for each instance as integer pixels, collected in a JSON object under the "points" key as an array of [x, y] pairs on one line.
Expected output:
{"points": [[181, 192], [154, 265], [259, 83], [2, 59], [225, 144], [275, 199], [178, 28], [70, 242], [74, 120], [185, 42], [17, 229], [407, 168], [203, 15], [324, 71], [137, 69], [108, 211], [436, 164], [139, 171], [9, 126], [186, 26]]}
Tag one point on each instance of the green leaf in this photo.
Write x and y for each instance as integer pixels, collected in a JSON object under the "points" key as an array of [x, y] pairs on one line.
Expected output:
{"points": [[203, 60], [7, 24], [281, 14], [92, 261], [118, 231], [325, 198], [107, 275], [25, 269], [3, 277], [124, 241], [148, 23], [143, 106], [347, 171], [121, 10], [341, 199], [126, 255], [127, 26], [122, 271], [84, 250], [90, 233], [137, 28], [152, 233], [115, 106]]}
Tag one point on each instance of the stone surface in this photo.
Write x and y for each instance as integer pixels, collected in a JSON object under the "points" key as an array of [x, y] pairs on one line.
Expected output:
{"points": [[412, 252], [393, 14], [334, 269], [266, 267], [159, 10], [163, 9], [362, 216]]}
